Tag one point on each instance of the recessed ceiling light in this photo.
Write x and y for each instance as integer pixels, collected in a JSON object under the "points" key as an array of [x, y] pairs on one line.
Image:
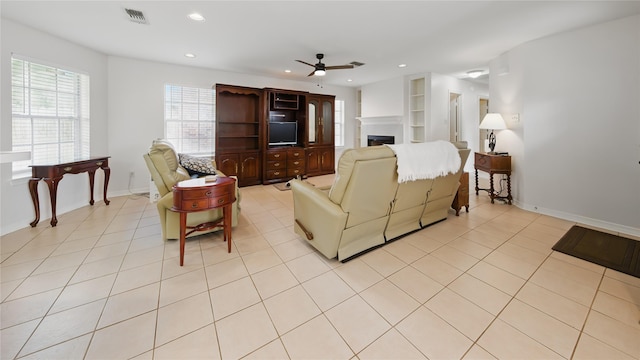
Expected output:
{"points": [[287, 71], [190, 55], [474, 73], [196, 17], [349, 80], [402, 65]]}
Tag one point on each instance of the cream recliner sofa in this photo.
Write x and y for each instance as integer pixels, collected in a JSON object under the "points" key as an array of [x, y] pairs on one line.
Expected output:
{"points": [[166, 171], [366, 206]]}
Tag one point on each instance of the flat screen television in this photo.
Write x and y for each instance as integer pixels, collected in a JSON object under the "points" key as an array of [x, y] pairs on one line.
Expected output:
{"points": [[283, 133]]}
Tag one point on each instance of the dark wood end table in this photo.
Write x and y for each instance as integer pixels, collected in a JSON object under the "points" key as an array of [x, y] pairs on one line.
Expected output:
{"points": [[199, 195], [494, 164]]}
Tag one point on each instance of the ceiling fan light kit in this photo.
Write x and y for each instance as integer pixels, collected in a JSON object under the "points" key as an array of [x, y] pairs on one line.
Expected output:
{"points": [[320, 69]]}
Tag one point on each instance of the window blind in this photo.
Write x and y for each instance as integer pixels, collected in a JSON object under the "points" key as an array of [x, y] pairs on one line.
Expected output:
{"points": [[50, 114], [190, 119]]}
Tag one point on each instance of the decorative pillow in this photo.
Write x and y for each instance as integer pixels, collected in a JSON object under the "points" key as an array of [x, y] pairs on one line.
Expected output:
{"points": [[196, 166]]}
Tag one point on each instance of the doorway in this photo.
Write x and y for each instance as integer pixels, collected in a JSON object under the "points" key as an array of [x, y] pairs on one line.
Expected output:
{"points": [[484, 134], [454, 117]]}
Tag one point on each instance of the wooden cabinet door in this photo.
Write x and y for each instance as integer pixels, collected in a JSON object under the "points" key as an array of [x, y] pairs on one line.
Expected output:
{"points": [[228, 163], [326, 122], [327, 156], [249, 173], [313, 161], [320, 115], [320, 161]]}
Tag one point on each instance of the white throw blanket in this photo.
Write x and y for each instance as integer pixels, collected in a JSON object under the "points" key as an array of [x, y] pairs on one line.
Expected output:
{"points": [[425, 160]]}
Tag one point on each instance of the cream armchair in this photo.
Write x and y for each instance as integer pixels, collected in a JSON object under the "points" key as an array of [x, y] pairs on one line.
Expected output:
{"points": [[352, 216], [366, 206], [166, 171]]}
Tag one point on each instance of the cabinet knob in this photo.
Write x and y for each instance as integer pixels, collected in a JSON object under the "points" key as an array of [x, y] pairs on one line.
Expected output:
{"points": [[194, 205], [296, 162], [99, 163], [276, 173], [68, 168], [276, 155], [220, 201], [276, 164], [208, 193], [296, 154]]}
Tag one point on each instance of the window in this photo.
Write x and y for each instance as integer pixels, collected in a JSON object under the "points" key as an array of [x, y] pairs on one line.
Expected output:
{"points": [[189, 119], [339, 123], [50, 114]]}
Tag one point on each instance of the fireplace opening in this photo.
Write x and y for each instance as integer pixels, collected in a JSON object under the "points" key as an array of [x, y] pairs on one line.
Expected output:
{"points": [[373, 140]]}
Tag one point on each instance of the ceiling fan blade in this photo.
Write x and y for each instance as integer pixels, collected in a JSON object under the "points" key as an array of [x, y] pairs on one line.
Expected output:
{"points": [[312, 73], [338, 67], [306, 63]]}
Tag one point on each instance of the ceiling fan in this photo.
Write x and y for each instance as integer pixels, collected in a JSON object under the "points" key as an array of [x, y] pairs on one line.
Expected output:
{"points": [[320, 68]]}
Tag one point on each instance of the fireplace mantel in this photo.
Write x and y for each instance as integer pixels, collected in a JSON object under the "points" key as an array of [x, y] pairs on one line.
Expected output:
{"points": [[381, 125]]}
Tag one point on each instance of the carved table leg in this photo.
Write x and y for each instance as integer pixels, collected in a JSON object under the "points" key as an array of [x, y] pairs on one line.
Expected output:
{"points": [[226, 215], [92, 176], [33, 189], [53, 194], [477, 188], [509, 188], [183, 229], [492, 193], [107, 172]]}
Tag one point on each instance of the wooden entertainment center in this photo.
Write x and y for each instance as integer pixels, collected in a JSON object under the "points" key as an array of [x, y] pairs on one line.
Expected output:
{"points": [[266, 136]]}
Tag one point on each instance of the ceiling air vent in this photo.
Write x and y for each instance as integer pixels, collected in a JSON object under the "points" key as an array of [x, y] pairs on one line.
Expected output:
{"points": [[136, 16]]}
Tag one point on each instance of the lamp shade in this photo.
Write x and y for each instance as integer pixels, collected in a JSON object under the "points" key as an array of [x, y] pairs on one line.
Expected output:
{"points": [[493, 121]]}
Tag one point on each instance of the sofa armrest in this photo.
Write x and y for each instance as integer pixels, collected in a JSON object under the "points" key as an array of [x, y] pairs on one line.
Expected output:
{"points": [[317, 219]]}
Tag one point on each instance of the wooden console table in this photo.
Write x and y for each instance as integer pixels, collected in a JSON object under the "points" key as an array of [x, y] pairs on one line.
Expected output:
{"points": [[53, 173], [494, 164], [198, 195]]}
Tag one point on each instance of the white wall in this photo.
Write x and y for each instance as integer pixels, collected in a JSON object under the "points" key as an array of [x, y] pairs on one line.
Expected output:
{"points": [[578, 95], [16, 210], [383, 98]]}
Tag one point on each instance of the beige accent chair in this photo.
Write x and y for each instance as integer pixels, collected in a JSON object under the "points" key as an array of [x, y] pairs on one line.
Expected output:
{"points": [[366, 207], [166, 171]]}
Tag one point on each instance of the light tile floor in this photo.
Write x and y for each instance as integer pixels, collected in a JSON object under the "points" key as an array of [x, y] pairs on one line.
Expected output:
{"points": [[486, 284]]}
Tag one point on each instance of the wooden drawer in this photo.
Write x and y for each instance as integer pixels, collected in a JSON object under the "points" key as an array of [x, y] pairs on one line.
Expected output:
{"points": [[275, 174], [205, 203], [274, 165], [295, 154], [276, 156], [202, 193], [492, 163], [220, 200], [295, 163], [293, 172]]}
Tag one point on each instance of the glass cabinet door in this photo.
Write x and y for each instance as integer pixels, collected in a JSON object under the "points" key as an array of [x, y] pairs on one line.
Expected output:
{"points": [[327, 122], [312, 116]]}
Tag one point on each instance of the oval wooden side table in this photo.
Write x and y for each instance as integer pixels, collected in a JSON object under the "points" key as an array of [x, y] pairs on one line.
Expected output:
{"points": [[199, 195]]}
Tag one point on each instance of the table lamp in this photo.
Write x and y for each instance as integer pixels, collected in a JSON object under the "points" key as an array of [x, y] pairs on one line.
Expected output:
{"points": [[493, 121]]}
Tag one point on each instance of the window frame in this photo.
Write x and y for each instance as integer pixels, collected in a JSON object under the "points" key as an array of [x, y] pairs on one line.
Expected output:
{"points": [[339, 123], [202, 149], [71, 90]]}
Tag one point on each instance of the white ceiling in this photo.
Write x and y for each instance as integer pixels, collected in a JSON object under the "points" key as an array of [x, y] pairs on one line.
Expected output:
{"points": [[266, 37]]}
